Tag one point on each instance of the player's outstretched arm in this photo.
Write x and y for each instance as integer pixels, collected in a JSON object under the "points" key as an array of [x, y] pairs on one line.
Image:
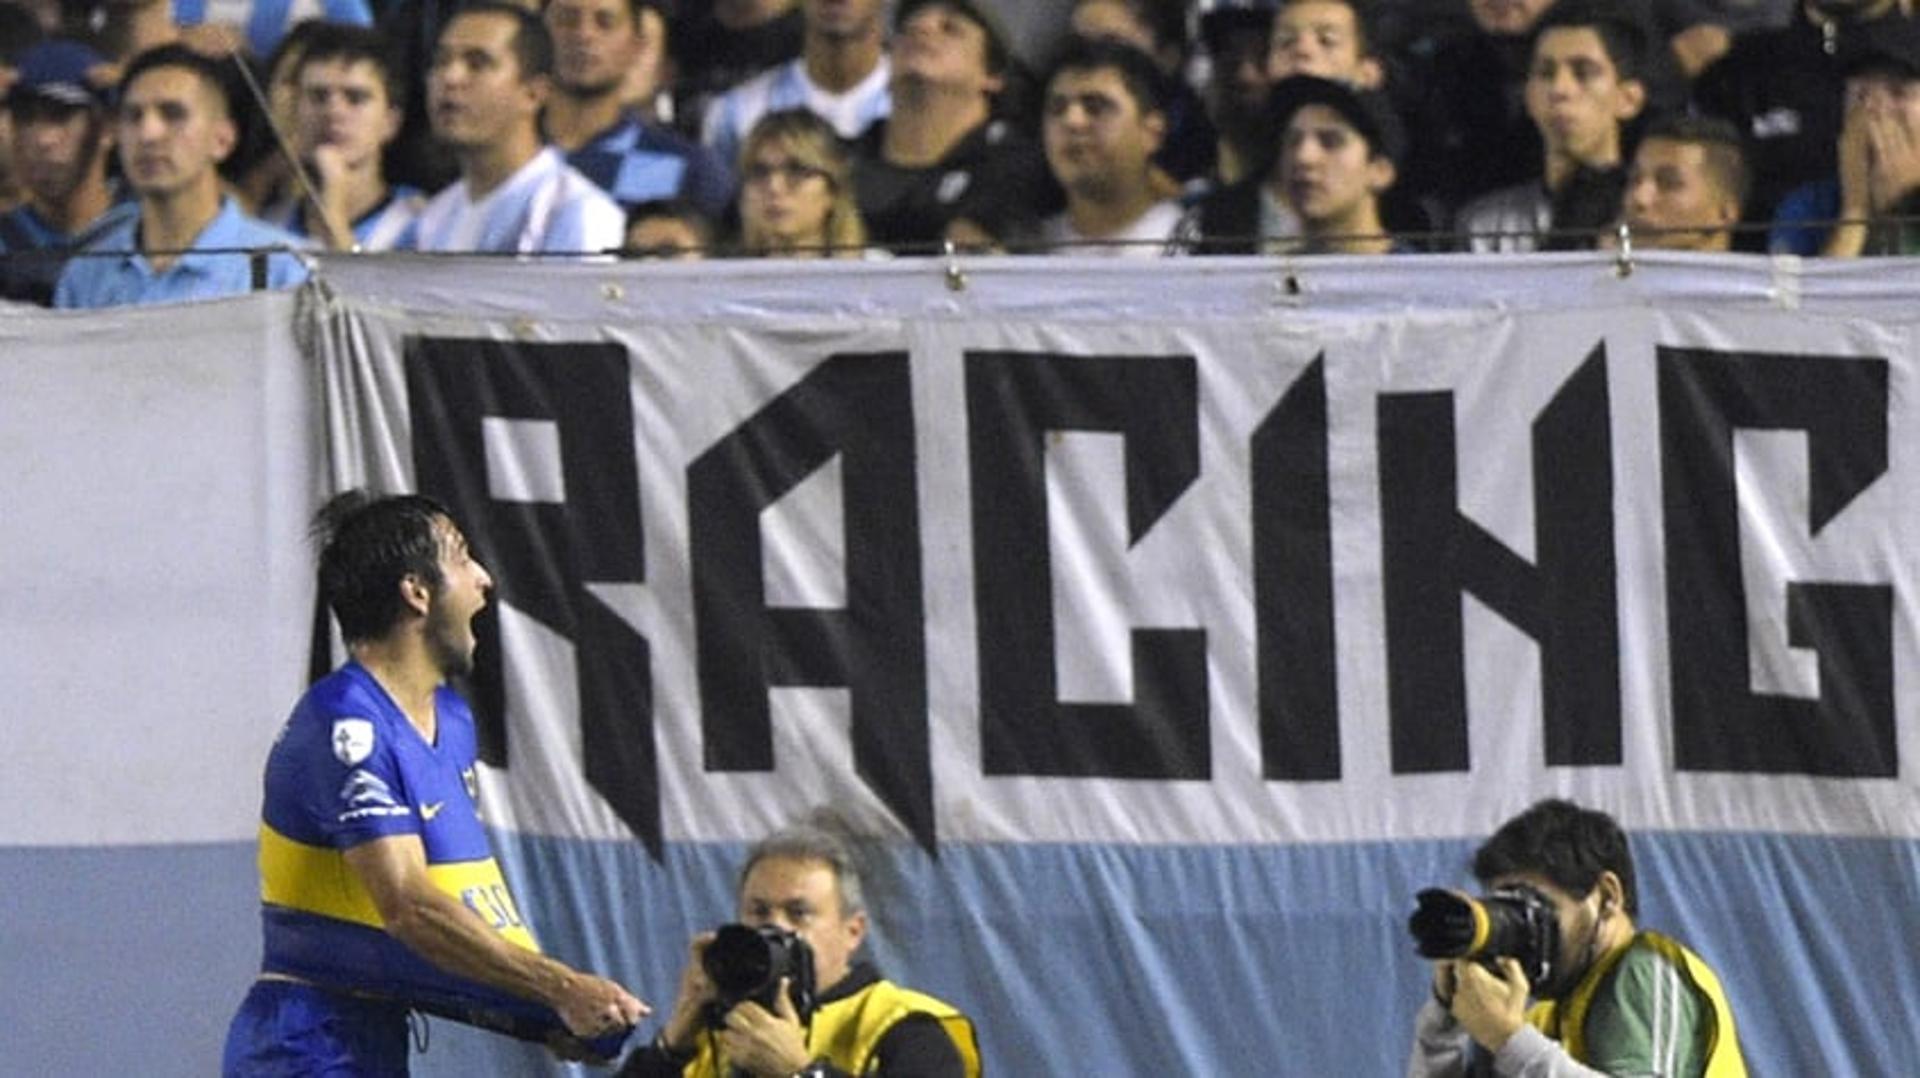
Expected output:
{"points": [[446, 933]]}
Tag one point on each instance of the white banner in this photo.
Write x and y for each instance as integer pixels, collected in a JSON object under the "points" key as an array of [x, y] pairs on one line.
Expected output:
{"points": [[1207, 610], [1179, 565]]}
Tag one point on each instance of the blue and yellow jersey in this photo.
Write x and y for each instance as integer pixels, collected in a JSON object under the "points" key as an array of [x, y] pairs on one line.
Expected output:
{"points": [[349, 768]]}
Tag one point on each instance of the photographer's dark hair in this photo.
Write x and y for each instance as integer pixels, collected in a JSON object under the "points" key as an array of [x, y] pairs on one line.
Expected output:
{"points": [[808, 842], [1567, 844], [368, 544]]}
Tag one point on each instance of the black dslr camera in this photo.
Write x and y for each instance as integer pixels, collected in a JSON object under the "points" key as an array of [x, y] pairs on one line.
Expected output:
{"points": [[1515, 922], [746, 963]]}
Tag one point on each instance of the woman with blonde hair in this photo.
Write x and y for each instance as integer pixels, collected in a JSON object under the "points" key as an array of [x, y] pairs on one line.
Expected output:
{"points": [[796, 190]]}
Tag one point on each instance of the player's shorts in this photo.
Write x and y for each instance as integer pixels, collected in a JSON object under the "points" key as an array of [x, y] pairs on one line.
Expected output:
{"points": [[284, 1030]]}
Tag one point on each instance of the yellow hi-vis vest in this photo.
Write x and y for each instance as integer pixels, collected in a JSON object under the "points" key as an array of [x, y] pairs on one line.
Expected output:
{"points": [[1566, 1020], [846, 1031]]}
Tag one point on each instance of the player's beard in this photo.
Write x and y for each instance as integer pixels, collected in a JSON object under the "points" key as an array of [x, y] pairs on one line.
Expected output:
{"points": [[449, 642]]}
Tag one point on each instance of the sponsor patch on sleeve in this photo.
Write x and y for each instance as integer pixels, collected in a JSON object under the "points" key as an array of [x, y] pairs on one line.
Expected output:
{"points": [[352, 740], [366, 794]]}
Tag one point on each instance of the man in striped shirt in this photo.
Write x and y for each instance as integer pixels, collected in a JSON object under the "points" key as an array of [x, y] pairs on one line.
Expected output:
{"points": [[492, 73], [1617, 1000], [841, 77]]}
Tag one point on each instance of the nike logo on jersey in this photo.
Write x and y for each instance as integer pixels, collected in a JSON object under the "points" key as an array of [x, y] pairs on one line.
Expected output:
{"points": [[428, 812]]}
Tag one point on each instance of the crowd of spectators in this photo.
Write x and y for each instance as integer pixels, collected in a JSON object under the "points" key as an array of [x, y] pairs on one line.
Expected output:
{"points": [[156, 140]]}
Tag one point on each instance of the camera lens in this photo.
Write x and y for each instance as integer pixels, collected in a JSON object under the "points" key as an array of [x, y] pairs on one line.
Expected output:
{"points": [[1447, 924], [1515, 922], [739, 960]]}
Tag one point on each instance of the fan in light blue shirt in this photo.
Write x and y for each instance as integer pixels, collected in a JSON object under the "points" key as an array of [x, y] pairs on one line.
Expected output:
{"points": [[492, 73], [187, 240], [112, 271], [547, 207]]}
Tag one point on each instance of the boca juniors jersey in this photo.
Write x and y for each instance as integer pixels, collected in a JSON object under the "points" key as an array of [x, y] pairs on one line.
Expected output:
{"points": [[349, 768]]}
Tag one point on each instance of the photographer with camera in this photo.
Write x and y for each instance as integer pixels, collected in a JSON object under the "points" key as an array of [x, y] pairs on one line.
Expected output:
{"points": [[1558, 926], [780, 995]]}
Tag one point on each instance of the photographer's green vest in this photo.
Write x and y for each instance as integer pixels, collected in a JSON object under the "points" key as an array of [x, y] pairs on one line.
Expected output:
{"points": [[1566, 1020], [846, 1031]]}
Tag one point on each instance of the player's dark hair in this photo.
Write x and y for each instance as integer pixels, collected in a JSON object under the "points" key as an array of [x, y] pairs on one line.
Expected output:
{"points": [[368, 545], [1569, 845]]}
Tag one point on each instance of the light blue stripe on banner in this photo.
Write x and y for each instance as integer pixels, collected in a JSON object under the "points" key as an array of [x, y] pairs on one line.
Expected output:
{"points": [[1285, 960], [1272, 960], [124, 960]]}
